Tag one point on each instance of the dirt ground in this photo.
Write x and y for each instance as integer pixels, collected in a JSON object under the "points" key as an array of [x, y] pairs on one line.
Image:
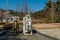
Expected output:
{"points": [[52, 30], [46, 26]]}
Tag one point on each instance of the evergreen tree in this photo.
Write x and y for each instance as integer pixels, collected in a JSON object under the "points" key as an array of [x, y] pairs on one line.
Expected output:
{"points": [[58, 6], [48, 5]]}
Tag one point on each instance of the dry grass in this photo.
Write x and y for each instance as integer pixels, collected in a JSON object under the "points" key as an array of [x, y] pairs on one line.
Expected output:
{"points": [[46, 26]]}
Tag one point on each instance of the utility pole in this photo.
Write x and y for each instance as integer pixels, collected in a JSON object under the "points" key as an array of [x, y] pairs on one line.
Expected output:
{"points": [[7, 5], [18, 6], [52, 11], [7, 10], [25, 7]]}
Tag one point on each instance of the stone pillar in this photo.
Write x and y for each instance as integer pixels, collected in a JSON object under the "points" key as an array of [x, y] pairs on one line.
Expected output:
{"points": [[27, 25]]}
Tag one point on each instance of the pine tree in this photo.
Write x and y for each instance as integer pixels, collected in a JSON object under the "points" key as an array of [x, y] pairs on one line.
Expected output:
{"points": [[48, 5], [58, 6]]}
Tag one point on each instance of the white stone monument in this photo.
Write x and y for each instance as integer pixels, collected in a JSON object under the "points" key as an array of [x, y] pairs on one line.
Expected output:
{"points": [[27, 25]]}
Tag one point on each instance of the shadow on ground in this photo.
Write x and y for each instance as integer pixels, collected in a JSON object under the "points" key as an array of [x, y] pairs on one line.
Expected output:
{"points": [[21, 32]]}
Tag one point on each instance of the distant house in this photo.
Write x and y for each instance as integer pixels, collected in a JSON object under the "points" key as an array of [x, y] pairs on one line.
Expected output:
{"points": [[7, 15], [14, 18], [11, 17]]}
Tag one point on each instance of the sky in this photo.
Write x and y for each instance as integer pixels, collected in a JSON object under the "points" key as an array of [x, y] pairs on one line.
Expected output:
{"points": [[33, 5]]}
